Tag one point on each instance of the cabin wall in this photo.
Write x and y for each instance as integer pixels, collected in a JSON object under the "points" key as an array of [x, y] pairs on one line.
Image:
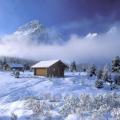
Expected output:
{"points": [[56, 70], [40, 71]]}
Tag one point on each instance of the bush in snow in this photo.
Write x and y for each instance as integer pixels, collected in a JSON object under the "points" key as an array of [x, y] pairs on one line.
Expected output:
{"points": [[83, 106], [70, 105], [73, 66], [113, 86], [103, 74], [96, 108], [84, 102], [99, 84], [92, 70], [115, 113], [109, 100], [40, 107], [116, 64], [74, 104], [99, 114], [117, 79]]}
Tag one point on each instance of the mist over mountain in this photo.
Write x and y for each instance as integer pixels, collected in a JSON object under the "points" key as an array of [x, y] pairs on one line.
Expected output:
{"points": [[34, 41], [37, 32]]}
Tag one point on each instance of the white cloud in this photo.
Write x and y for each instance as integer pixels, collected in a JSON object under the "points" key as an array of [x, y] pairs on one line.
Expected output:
{"points": [[92, 47]]}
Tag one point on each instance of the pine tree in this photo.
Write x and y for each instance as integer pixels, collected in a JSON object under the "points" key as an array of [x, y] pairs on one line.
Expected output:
{"points": [[92, 70], [17, 74], [73, 66], [116, 64]]}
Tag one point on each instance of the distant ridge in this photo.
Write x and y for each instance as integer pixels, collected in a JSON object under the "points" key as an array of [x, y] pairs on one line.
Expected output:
{"points": [[37, 32]]}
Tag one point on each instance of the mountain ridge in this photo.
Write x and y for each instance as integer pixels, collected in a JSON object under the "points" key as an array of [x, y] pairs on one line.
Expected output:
{"points": [[37, 32]]}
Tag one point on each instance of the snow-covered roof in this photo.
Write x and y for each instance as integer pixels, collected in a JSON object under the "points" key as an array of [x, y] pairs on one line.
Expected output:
{"points": [[45, 64], [16, 65]]}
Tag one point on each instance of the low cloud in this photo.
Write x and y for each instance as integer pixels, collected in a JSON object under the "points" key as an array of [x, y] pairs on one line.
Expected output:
{"points": [[90, 48]]}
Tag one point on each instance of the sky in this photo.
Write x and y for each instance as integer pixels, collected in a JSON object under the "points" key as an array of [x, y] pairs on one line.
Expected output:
{"points": [[91, 28], [66, 16]]}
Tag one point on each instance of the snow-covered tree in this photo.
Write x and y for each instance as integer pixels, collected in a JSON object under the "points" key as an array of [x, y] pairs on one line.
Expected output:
{"points": [[116, 78], [116, 64], [92, 70], [73, 66], [17, 74]]}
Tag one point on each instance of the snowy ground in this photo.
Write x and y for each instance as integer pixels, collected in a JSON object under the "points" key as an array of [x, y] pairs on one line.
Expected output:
{"points": [[14, 91]]}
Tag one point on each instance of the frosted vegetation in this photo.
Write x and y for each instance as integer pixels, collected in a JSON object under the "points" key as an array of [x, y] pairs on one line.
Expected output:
{"points": [[83, 107], [90, 94], [66, 99]]}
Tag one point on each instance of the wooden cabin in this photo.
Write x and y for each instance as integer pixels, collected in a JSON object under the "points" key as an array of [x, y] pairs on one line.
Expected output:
{"points": [[50, 68], [16, 66]]}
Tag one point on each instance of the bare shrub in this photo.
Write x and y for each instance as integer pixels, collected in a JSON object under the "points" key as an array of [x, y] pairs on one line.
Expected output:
{"points": [[40, 107], [96, 107]]}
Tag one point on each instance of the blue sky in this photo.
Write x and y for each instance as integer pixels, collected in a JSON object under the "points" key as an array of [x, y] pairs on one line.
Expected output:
{"points": [[67, 16]]}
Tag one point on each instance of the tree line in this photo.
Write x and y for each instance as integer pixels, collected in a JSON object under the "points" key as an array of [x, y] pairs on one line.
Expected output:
{"points": [[4, 60], [108, 74]]}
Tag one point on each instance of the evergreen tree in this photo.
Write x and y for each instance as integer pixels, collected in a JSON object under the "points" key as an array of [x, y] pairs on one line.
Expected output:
{"points": [[116, 64], [17, 74], [73, 66], [92, 70], [117, 79]]}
